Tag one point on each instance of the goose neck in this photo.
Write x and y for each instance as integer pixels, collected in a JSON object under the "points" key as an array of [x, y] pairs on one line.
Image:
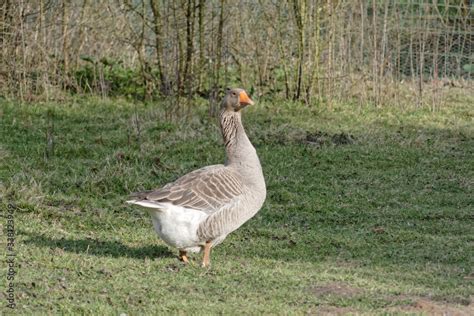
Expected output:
{"points": [[238, 146]]}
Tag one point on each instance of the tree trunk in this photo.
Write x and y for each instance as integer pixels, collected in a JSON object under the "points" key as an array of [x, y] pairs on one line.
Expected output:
{"points": [[65, 21], [299, 13], [157, 28], [179, 51], [218, 64], [81, 33], [202, 62], [189, 46]]}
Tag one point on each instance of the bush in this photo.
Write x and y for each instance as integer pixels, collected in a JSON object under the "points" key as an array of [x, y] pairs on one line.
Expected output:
{"points": [[109, 78]]}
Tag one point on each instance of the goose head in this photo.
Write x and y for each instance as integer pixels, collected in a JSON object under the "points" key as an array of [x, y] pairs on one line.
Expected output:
{"points": [[235, 100]]}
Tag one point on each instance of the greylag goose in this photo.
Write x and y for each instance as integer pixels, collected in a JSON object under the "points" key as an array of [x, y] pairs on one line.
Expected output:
{"points": [[197, 211]]}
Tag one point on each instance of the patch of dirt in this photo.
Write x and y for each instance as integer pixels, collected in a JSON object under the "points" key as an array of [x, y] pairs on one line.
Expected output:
{"points": [[429, 307], [378, 229], [319, 138], [470, 276], [336, 289]]}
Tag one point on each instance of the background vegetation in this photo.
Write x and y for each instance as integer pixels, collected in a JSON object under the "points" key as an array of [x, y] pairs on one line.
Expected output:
{"points": [[363, 123], [389, 52]]}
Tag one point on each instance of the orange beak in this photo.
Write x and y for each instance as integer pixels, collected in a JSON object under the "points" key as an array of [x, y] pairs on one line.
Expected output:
{"points": [[244, 99]]}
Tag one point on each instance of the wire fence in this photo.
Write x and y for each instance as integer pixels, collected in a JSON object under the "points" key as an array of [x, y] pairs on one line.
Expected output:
{"points": [[398, 51], [431, 39]]}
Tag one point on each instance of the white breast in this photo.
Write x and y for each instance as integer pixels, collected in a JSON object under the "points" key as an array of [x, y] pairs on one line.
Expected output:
{"points": [[177, 226]]}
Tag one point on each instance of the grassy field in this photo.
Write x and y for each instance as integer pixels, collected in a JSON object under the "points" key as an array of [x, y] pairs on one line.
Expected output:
{"points": [[368, 210]]}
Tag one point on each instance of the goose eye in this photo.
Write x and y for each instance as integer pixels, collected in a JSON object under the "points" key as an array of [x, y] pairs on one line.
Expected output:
{"points": [[234, 94]]}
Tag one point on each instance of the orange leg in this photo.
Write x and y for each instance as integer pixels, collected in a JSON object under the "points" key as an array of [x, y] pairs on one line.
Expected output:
{"points": [[183, 256], [206, 260]]}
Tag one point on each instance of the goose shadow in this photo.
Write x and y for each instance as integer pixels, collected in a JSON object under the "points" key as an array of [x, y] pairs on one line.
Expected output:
{"points": [[100, 248]]}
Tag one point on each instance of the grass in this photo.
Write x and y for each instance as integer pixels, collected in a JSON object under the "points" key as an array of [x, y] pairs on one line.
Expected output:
{"points": [[368, 210]]}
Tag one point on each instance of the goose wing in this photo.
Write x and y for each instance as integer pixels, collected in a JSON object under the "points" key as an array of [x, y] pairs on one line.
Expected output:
{"points": [[207, 189]]}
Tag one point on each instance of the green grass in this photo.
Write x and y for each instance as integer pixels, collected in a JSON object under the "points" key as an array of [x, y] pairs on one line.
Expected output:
{"points": [[368, 210]]}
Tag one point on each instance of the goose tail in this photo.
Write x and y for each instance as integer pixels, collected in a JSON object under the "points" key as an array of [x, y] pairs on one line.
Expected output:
{"points": [[146, 203]]}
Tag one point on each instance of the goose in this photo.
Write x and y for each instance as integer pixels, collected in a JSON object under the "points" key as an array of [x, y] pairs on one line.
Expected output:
{"points": [[198, 210]]}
